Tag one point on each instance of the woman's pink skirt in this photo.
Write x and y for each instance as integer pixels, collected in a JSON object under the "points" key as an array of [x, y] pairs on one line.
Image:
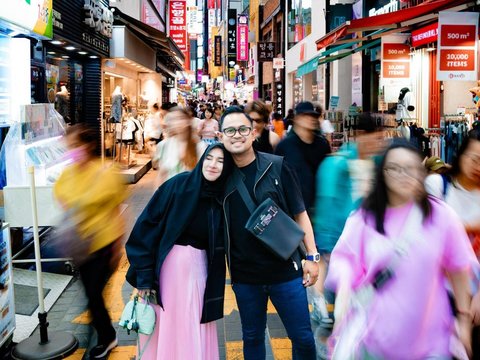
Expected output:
{"points": [[178, 333]]}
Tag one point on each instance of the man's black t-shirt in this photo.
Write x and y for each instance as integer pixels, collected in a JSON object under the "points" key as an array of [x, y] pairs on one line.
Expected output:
{"points": [[251, 262], [304, 159]]}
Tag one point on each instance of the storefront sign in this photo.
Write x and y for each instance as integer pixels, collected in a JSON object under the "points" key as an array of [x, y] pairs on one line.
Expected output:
{"points": [[425, 35], [395, 58], [195, 20], [278, 107], [232, 36], [33, 15], [388, 8], [242, 38], [218, 50], [178, 23], [99, 17], [457, 46], [334, 100], [278, 63], [266, 51], [395, 65]]}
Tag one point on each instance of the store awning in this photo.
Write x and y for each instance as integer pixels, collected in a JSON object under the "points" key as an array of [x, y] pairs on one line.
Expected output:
{"points": [[308, 67], [397, 21], [171, 56], [326, 56]]}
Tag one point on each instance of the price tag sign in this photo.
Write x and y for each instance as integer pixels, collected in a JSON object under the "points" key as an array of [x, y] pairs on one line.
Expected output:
{"points": [[457, 46]]}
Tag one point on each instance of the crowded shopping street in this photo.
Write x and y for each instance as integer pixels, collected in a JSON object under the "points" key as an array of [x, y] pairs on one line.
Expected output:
{"points": [[240, 179]]}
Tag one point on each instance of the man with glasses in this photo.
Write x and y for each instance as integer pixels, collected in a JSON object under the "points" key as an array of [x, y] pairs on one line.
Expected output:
{"points": [[257, 274]]}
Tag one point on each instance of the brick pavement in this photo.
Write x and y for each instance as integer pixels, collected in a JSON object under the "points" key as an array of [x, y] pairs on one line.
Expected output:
{"points": [[69, 312]]}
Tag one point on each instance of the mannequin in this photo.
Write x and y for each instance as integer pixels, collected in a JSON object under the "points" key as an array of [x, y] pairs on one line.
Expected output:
{"points": [[62, 103], [117, 98], [402, 115]]}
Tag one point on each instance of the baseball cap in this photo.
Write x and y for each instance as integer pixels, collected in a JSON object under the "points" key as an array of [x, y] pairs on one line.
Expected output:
{"points": [[306, 107], [434, 163]]}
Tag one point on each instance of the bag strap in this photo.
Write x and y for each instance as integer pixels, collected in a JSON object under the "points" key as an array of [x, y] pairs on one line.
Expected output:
{"points": [[242, 189]]}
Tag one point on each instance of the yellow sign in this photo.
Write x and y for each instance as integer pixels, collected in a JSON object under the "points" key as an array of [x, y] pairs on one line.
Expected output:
{"points": [[32, 15]]}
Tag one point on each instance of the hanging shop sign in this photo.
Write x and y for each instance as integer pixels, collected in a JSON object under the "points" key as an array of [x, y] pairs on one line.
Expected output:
{"points": [[457, 46], [278, 63], [32, 15], [99, 17], [242, 38], [194, 20], [70, 23], [279, 98], [395, 65], [149, 17], [178, 23], [218, 50], [266, 51], [232, 37], [425, 35]]}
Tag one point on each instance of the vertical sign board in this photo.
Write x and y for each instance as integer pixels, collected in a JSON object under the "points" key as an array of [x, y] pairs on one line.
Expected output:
{"points": [[178, 23], [149, 17], [395, 65], [265, 51], [242, 38], [231, 42], [457, 46], [217, 51]]}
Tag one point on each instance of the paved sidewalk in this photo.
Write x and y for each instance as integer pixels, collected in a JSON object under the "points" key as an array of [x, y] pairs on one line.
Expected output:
{"points": [[69, 312]]}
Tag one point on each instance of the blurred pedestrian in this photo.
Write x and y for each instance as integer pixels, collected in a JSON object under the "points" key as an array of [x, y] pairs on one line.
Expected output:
{"points": [[461, 190], [217, 112], [343, 180], [288, 120], [278, 125], [153, 129], [304, 148], [176, 252], [257, 273], [437, 179], [399, 250], [266, 140], [94, 194], [208, 127], [182, 148]]}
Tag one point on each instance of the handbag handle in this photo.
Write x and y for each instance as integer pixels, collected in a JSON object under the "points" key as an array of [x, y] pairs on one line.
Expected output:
{"points": [[242, 189]]}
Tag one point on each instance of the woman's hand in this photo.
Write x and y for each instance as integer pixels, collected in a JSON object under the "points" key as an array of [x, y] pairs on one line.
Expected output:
{"points": [[475, 308], [465, 332]]}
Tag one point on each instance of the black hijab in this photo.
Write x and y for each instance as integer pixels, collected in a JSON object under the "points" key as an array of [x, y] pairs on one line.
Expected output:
{"points": [[216, 188]]}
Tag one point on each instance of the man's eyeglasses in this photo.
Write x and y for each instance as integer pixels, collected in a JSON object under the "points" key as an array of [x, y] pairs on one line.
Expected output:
{"points": [[242, 130]]}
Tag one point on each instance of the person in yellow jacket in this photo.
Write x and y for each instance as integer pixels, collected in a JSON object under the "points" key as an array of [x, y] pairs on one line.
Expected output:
{"points": [[93, 194]]}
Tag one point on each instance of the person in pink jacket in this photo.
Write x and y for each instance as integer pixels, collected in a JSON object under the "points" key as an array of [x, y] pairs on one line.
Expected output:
{"points": [[400, 247]]}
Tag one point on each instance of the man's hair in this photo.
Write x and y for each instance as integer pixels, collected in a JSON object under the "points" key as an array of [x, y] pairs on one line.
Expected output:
{"points": [[260, 108], [155, 106], [233, 110]]}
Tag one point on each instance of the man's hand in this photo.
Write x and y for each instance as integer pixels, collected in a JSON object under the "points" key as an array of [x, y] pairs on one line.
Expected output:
{"points": [[310, 273]]}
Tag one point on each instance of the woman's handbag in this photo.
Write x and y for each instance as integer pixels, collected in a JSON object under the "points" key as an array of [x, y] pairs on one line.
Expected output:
{"points": [[270, 224], [139, 317]]}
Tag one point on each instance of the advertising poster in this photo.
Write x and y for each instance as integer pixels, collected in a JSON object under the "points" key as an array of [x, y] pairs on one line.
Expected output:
{"points": [[395, 68], [32, 15], [457, 46], [178, 23], [7, 303]]}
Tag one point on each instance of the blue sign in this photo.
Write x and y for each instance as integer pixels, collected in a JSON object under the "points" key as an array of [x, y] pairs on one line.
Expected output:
{"points": [[334, 101]]}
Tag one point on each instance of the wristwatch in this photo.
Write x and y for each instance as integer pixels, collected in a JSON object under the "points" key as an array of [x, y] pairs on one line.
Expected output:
{"points": [[313, 257]]}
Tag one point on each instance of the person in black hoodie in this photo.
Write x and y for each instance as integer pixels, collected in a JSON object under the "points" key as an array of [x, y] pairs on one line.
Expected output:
{"points": [[176, 252]]}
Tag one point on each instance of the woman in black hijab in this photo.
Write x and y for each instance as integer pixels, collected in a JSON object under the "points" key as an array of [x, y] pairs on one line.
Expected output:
{"points": [[176, 251]]}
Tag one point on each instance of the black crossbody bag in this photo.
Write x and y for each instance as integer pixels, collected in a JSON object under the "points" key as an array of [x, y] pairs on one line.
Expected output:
{"points": [[270, 224]]}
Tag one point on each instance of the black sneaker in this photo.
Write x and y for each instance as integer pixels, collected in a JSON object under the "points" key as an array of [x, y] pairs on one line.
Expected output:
{"points": [[101, 350]]}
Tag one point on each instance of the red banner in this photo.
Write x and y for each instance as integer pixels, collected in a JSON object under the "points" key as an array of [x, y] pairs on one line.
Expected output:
{"points": [[396, 69], [458, 35], [425, 35], [396, 52], [457, 60], [457, 46], [242, 38], [178, 23]]}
